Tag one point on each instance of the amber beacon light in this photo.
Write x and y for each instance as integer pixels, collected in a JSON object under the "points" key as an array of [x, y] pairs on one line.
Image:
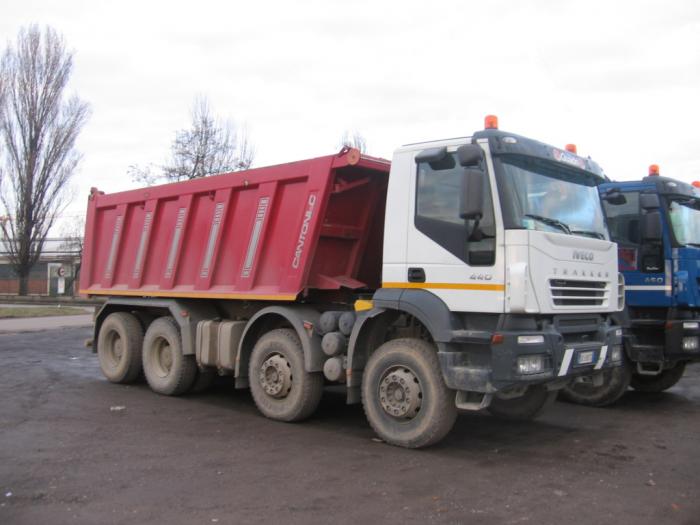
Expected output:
{"points": [[571, 148], [491, 122], [654, 170]]}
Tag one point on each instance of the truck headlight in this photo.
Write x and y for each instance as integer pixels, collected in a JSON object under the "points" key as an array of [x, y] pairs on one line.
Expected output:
{"points": [[616, 354], [690, 325], [530, 339], [531, 364], [690, 343]]}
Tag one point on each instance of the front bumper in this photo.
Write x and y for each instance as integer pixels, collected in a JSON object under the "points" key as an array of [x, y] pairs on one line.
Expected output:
{"points": [[493, 365], [678, 332], [662, 341]]}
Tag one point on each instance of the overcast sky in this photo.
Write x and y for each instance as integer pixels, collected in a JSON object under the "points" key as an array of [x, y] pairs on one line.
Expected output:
{"points": [[619, 79]]}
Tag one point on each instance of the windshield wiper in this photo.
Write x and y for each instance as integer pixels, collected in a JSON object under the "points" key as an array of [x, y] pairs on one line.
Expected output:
{"points": [[550, 222], [694, 244], [589, 233]]}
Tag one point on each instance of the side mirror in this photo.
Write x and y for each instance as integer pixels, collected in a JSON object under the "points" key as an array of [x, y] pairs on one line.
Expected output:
{"points": [[469, 155], [614, 197], [471, 202], [649, 201], [651, 226]]}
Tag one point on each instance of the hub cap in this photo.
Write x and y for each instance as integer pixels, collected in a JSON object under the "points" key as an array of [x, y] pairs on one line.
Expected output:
{"points": [[116, 348], [276, 376], [400, 393], [163, 357]]}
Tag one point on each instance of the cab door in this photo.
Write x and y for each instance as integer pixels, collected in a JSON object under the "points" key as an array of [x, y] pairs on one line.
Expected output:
{"points": [[459, 260], [642, 262]]}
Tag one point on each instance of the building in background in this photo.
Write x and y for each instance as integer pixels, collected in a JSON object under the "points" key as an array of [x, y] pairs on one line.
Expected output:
{"points": [[56, 273]]}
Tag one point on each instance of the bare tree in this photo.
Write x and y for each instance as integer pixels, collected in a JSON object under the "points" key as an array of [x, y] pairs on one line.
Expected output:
{"points": [[208, 147], [146, 175], [353, 139], [38, 130]]}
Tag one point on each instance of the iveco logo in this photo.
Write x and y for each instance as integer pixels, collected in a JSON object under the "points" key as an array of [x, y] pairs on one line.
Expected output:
{"points": [[583, 256]]}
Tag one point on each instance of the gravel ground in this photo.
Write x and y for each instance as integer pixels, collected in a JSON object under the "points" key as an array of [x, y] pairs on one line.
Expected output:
{"points": [[77, 449]]}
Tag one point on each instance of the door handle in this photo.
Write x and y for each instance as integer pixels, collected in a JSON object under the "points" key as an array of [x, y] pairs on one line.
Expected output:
{"points": [[416, 275]]}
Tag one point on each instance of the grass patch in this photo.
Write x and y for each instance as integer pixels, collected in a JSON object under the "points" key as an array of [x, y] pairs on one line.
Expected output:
{"points": [[8, 312]]}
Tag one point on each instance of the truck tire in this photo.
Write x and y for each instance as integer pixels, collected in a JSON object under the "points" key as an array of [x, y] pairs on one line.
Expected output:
{"points": [[282, 389], [167, 370], [119, 347], [658, 383], [523, 408], [615, 383], [404, 396]]}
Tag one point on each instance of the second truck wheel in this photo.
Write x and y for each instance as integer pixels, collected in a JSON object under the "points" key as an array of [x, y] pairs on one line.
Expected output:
{"points": [[281, 387], [658, 383], [615, 384]]}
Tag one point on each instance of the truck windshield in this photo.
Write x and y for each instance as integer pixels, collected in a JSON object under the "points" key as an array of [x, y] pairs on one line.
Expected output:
{"points": [[685, 220], [542, 195]]}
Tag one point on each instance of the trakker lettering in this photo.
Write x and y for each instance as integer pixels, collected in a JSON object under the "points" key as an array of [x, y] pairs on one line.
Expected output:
{"points": [[311, 203]]}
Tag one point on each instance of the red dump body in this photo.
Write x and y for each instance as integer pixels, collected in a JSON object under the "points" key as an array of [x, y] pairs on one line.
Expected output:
{"points": [[264, 234]]}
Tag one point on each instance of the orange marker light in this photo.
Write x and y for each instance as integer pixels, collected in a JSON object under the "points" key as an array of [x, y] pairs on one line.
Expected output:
{"points": [[654, 170], [696, 183], [571, 148], [491, 122]]}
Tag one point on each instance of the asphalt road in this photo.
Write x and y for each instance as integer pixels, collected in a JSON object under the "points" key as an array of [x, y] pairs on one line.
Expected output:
{"points": [[77, 449]]}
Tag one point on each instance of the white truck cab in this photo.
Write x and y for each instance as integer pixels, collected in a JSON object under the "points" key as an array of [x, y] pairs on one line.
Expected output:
{"points": [[497, 244]]}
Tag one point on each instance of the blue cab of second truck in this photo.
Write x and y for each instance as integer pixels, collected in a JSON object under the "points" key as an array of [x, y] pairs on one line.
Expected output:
{"points": [[657, 228]]}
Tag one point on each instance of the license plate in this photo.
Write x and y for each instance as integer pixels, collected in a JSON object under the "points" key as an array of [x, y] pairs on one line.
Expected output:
{"points": [[586, 358]]}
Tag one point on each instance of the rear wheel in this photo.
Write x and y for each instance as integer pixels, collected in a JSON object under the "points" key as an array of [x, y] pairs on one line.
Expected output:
{"points": [[404, 396], [525, 407], [282, 389], [119, 347], [658, 383], [167, 370], [615, 383]]}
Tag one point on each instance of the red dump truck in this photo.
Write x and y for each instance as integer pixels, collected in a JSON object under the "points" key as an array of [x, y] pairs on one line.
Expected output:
{"points": [[418, 291]]}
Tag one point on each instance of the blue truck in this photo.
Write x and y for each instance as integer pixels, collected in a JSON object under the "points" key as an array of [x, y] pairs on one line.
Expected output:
{"points": [[656, 224]]}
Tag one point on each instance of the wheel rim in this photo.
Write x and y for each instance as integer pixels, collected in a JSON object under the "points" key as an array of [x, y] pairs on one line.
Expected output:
{"points": [[115, 349], [276, 376], [162, 359], [400, 393]]}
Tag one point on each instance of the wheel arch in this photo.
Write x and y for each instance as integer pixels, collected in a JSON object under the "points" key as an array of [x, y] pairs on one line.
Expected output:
{"points": [[425, 306], [186, 313], [301, 319]]}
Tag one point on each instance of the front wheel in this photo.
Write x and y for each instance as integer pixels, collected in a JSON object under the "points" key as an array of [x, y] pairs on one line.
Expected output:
{"points": [[525, 407], [282, 389], [660, 382], [615, 383], [404, 396]]}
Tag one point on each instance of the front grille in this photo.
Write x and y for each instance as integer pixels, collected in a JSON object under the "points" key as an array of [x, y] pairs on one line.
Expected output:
{"points": [[570, 292], [578, 329]]}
